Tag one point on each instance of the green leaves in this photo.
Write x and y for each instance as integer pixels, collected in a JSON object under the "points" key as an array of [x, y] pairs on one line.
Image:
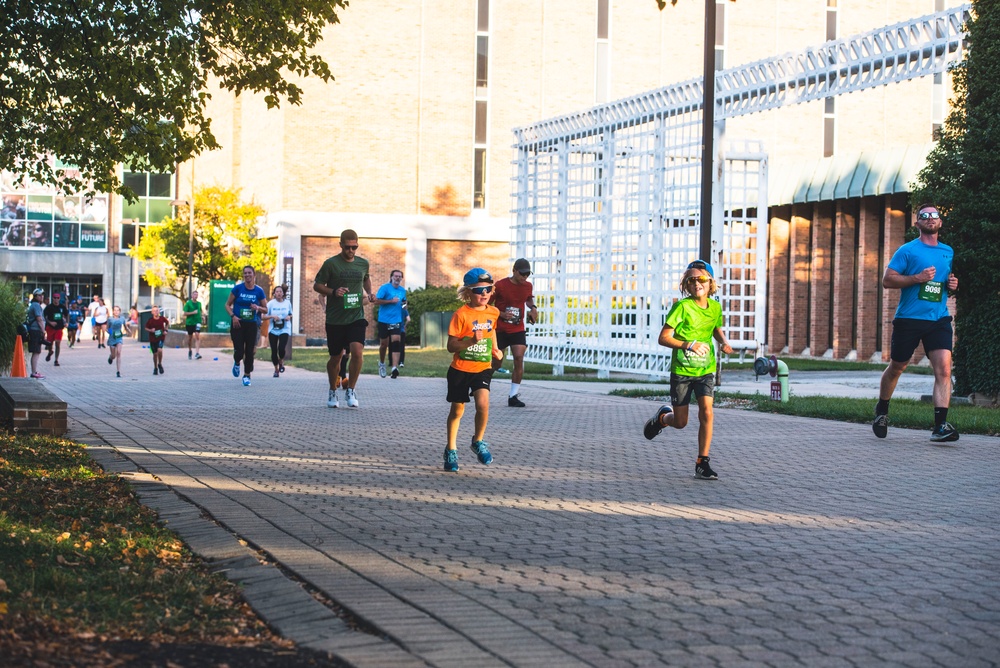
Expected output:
{"points": [[961, 177], [101, 83], [225, 241]]}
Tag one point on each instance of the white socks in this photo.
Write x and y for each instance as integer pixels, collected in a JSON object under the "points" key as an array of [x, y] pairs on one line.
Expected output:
{"points": [[514, 388]]}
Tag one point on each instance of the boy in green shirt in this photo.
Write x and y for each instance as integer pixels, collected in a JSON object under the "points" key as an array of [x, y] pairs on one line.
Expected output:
{"points": [[192, 323], [692, 326]]}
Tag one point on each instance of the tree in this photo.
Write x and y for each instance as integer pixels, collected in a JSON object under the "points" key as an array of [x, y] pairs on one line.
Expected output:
{"points": [[99, 83], [225, 241], [961, 178]]}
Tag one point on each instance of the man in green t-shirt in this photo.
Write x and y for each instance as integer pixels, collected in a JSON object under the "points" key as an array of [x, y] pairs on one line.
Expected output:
{"points": [[193, 318], [344, 281]]}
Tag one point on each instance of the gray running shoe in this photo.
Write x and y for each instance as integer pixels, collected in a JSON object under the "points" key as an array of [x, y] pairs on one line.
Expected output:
{"points": [[352, 398], [332, 401], [381, 370], [881, 426], [944, 433]]}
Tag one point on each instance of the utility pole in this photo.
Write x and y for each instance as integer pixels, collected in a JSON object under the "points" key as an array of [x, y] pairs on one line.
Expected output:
{"points": [[708, 135]]}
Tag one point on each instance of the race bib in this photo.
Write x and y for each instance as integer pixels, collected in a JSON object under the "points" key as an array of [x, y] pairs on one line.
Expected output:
{"points": [[352, 300], [158, 332], [515, 315], [394, 327], [246, 314], [197, 327], [480, 352], [692, 360], [931, 291]]}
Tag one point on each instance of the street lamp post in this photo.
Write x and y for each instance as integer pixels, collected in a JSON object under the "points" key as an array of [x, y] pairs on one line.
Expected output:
{"points": [[708, 135], [190, 205]]}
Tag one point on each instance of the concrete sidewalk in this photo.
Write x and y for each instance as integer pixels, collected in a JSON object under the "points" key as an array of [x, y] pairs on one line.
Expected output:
{"points": [[583, 544]]}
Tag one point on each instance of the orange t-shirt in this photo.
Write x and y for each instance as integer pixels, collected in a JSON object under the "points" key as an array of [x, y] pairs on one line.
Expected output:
{"points": [[464, 323]]}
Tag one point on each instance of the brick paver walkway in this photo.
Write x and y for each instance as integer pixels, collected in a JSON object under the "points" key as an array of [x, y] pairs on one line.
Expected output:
{"points": [[583, 544]]}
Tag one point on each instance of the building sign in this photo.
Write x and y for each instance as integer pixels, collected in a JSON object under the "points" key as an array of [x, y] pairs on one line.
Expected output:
{"points": [[34, 216]]}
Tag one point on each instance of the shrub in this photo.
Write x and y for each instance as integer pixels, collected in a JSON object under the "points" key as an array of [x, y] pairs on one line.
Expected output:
{"points": [[427, 299], [12, 314]]}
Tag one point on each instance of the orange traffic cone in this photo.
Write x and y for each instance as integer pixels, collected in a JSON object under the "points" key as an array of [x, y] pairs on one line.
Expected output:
{"points": [[17, 369]]}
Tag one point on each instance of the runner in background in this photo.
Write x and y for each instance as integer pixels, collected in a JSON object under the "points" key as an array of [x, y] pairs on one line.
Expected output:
{"points": [[279, 313], [193, 318], [118, 327], [510, 297], [246, 304], [157, 327]]}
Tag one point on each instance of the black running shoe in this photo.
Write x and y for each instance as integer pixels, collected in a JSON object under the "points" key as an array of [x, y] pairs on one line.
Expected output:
{"points": [[160, 367], [653, 425], [395, 373], [702, 471], [515, 401], [49, 356], [944, 433], [881, 425]]}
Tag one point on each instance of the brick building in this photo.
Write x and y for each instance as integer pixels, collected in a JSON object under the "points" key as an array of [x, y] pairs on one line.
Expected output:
{"points": [[418, 123]]}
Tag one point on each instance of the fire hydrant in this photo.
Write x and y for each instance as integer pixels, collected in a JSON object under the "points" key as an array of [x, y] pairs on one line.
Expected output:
{"points": [[775, 368]]}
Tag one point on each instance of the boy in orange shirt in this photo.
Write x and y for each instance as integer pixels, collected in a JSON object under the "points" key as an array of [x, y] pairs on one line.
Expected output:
{"points": [[472, 339]]}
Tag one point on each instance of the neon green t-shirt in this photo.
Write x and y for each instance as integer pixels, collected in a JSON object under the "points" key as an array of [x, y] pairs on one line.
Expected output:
{"points": [[195, 319], [693, 323]]}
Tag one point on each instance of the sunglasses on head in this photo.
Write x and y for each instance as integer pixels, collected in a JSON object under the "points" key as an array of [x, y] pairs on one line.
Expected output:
{"points": [[924, 215], [698, 279], [484, 290], [354, 247]]}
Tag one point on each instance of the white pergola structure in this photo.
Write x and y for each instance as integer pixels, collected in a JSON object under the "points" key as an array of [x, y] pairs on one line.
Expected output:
{"points": [[607, 200]]}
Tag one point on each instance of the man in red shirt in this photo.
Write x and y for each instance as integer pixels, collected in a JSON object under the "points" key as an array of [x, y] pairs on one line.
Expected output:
{"points": [[157, 327], [510, 295]]}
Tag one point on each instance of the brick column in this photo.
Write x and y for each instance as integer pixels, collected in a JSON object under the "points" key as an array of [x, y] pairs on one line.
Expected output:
{"points": [[894, 224], [777, 279], [869, 280], [844, 277], [820, 275], [798, 289]]}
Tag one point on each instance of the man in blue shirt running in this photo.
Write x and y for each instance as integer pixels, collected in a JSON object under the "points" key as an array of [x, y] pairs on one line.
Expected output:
{"points": [[390, 298], [922, 270]]}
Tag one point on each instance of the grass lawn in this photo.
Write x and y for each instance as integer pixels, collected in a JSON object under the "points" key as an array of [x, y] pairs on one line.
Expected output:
{"points": [[907, 413], [433, 363], [83, 562]]}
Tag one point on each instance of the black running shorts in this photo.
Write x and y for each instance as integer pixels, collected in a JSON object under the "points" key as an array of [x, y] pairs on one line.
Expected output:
{"points": [[908, 333]]}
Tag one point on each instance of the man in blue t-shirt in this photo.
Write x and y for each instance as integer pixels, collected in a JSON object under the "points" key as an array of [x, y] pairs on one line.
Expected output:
{"points": [[922, 270], [390, 297], [246, 304]]}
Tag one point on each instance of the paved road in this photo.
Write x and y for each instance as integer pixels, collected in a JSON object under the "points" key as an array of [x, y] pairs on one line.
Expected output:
{"points": [[582, 545]]}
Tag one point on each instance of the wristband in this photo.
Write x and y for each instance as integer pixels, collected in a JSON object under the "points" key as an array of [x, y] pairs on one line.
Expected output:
{"points": [[689, 346]]}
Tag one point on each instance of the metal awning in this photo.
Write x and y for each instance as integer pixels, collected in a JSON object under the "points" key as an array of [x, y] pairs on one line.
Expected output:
{"points": [[860, 174]]}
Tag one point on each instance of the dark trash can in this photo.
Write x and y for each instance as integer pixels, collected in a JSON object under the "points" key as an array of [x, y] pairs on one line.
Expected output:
{"points": [[144, 317]]}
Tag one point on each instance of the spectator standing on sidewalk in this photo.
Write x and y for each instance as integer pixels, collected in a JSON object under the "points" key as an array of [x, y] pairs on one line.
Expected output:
{"points": [[36, 329], [118, 327], [56, 316], [279, 312], [193, 317], [157, 327], [344, 281], [472, 339], [390, 298], [510, 297], [691, 329], [922, 271], [246, 304]]}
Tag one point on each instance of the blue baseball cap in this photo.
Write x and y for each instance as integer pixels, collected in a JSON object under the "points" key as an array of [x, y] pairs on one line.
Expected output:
{"points": [[701, 264], [477, 275]]}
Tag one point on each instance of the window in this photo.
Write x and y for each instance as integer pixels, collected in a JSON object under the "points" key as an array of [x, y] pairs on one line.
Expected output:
{"points": [[481, 127], [720, 35], [155, 192], [602, 78], [829, 126]]}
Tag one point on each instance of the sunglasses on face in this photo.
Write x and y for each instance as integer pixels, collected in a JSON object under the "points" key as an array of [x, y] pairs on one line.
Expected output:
{"points": [[484, 290], [924, 215], [351, 248], [698, 279]]}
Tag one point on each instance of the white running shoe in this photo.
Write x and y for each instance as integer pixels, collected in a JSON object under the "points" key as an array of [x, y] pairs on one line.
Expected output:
{"points": [[352, 398], [332, 401], [381, 369]]}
